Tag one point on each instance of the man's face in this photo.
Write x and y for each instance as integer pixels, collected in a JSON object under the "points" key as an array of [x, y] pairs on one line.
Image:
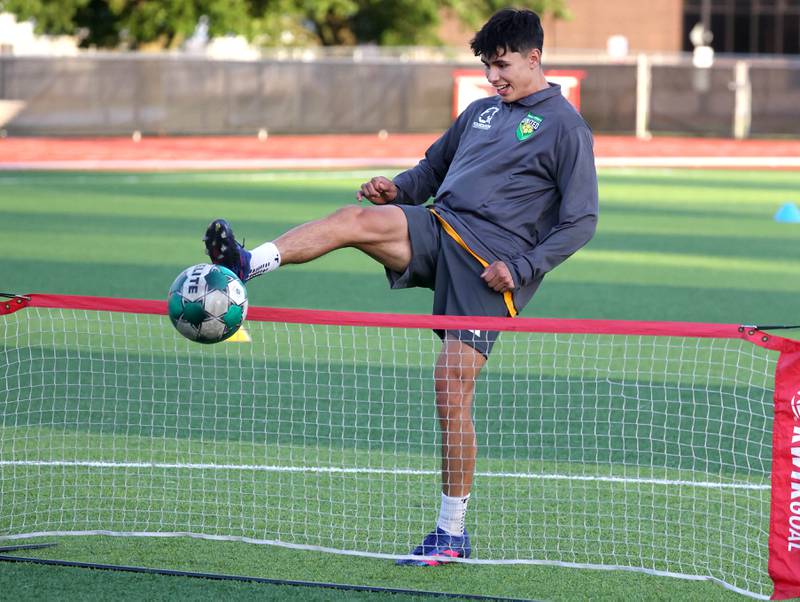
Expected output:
{"points": [[512, 74]]}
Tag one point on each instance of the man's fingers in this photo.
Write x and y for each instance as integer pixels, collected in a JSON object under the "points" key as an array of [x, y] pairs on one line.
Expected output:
{"points": [[492, 279], [379, 191], [498, 278], [374, 189], [368, 191]]}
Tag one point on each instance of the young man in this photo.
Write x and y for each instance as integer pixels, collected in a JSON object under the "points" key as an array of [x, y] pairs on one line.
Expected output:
{"points": [[515, 194]]}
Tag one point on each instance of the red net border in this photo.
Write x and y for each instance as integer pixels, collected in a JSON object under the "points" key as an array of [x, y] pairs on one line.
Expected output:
{"points": [[386, 320]]}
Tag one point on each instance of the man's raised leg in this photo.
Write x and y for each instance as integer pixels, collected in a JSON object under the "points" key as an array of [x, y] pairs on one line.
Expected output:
{"points": [[380, 231]]}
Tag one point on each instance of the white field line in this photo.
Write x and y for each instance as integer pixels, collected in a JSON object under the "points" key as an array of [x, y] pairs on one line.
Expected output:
{"points": [[371, 162], [383, 471]]}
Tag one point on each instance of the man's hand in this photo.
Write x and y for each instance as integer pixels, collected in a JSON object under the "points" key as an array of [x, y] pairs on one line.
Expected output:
{"points": [[498, 277], [378, 191]]}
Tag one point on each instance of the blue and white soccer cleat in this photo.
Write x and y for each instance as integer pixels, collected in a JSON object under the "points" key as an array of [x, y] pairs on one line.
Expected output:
{"points": [[223, 249], [438, 547]]}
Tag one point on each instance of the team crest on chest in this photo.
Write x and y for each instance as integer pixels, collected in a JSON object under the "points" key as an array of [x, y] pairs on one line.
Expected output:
{"points": [[528, 126]]}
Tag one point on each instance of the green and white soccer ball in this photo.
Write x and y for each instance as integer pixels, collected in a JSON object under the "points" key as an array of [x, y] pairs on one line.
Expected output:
{"points": [[207, 303]]}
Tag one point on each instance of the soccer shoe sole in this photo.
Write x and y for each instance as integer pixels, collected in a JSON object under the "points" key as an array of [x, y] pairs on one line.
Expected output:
{"points": [[438, 559], [221, 246]]}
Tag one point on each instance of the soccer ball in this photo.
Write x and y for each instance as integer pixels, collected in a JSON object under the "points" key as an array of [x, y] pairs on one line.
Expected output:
{"points": [[207, 303]]}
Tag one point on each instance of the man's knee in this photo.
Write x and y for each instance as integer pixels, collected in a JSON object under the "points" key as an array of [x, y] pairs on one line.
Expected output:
{"points": [[454, 386], [350, 214], [454, 378], [453, 403], [367, 223]]}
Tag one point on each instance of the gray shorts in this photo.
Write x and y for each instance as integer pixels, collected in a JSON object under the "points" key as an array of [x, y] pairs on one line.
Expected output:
{"points": [[438, 262]]}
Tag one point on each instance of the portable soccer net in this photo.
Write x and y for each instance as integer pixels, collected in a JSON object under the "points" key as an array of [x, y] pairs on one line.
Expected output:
{"points": [[665, 448]]}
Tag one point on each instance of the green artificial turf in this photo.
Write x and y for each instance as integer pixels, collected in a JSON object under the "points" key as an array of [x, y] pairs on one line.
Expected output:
{"points": [[684, 245], [671, 244]]}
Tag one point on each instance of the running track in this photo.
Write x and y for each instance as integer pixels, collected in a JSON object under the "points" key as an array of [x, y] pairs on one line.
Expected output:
{"points": [[359, 151]]}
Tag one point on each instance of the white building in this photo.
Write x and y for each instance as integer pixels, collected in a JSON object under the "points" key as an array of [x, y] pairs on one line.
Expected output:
{"points": [[20, 39]]}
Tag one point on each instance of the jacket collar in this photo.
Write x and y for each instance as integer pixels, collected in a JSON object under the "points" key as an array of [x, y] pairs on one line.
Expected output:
{"points": [[537, 97]]}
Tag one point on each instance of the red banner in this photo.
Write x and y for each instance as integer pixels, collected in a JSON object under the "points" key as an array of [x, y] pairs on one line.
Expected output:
{"points": [[471, 84], [784, 531]]}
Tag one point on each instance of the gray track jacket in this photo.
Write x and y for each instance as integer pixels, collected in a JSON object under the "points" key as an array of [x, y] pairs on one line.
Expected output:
{"points": [[517, 182]]}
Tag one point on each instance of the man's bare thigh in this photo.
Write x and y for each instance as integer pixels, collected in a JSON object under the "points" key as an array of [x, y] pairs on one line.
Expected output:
{"points": [[385, 236]]}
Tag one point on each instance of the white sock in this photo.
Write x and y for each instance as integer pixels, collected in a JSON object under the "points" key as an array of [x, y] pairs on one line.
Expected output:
{"points": [[452, 514], [263, 259]]}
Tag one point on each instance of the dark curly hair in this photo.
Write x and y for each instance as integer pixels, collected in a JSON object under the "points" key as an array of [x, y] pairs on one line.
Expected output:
{"points": [[516, 30]]}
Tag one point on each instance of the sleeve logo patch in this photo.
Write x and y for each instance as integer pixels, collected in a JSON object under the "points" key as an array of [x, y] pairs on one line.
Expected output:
{"points": [[528, 126]]}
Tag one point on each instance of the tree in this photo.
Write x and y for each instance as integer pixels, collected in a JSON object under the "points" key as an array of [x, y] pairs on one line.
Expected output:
{"points": [[396, 22], [129, 23], [405, 22], [475, 12], [167, 23]]}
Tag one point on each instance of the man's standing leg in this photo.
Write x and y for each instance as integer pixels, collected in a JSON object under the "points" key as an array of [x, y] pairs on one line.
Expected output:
{"points": [[455, 373], [456, 370]]}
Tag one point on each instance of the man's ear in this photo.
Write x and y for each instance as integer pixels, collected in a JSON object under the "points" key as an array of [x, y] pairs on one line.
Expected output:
{"points": [[535, 58]]}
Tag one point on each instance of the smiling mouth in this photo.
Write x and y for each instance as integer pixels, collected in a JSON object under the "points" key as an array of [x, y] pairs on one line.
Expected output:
{"points": [[502, 88]]}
